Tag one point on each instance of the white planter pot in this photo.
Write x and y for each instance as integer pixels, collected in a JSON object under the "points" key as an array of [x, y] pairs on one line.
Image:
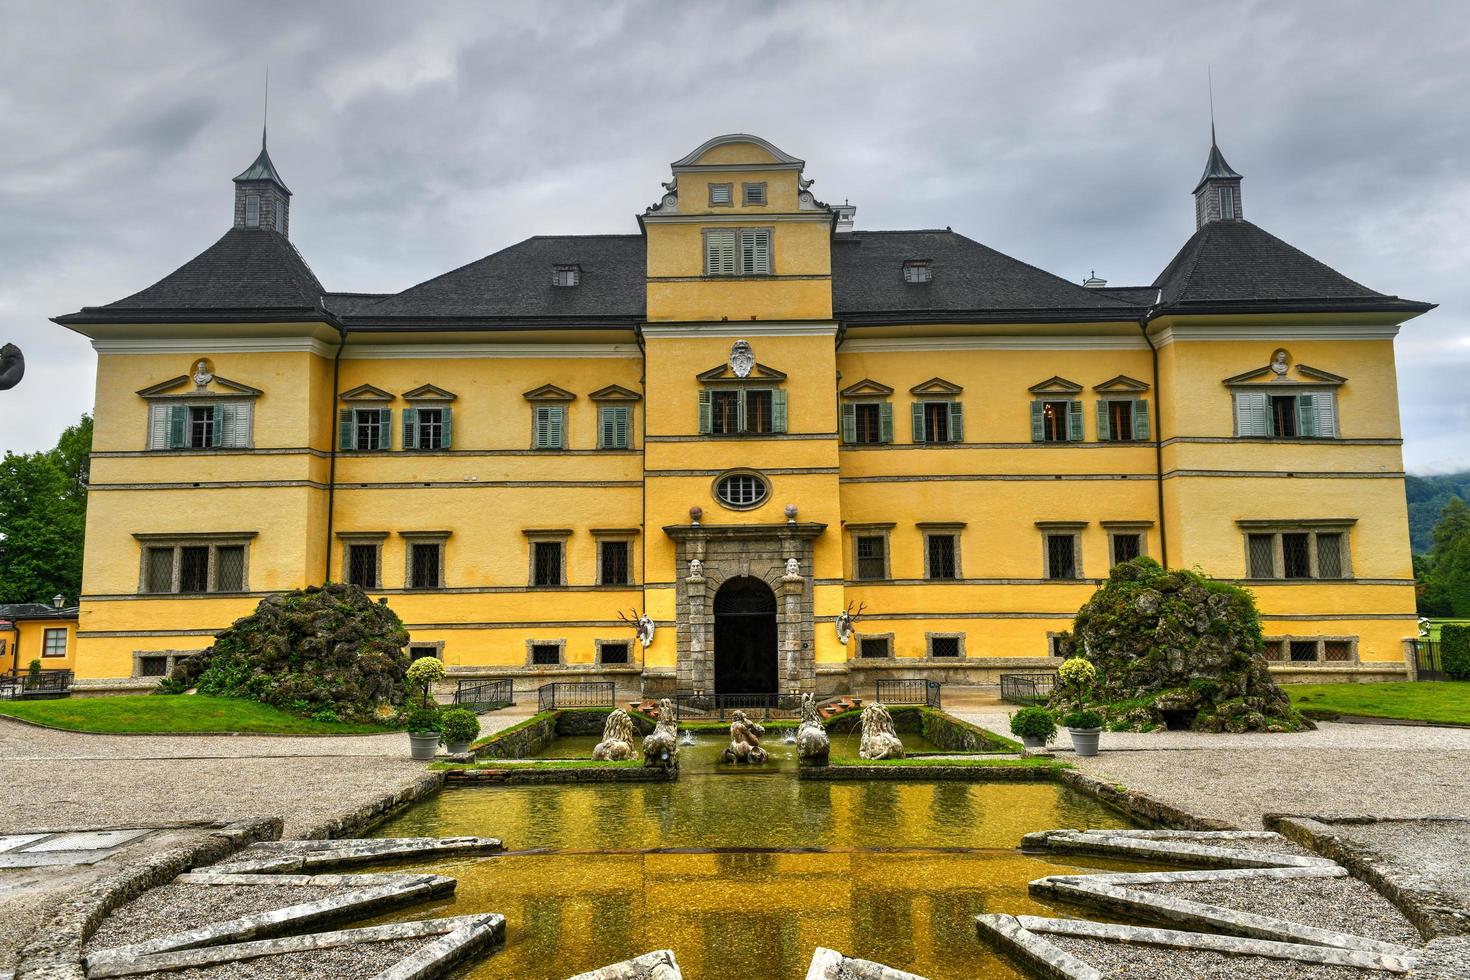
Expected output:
{"points": [[423, 746], [1033, 742], [456, 748], [1084, 740]]}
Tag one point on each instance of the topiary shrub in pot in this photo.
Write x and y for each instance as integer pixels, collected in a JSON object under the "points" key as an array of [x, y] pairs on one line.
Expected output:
{"points": [[423, 732], [1454, 650], [458, 727], [1034, 727], [1083, 724]]}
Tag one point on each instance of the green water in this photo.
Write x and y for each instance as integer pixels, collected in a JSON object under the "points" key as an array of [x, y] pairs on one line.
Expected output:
{"points": [[744, 872]]}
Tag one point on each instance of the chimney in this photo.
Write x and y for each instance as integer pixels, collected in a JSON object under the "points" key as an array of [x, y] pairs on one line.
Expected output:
{"points": [[846, 213]]}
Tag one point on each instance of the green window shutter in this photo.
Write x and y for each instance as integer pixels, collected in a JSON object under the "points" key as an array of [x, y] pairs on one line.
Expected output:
{"points": [[1306, 415], [918, 408], [1140, 418], [344, 429], [178, 426], [385, 428], [1074, 422], [1038, 422], [444, 428], [1326, 414], [778, 410], [849, 422], [556, 429], [885, 422], [704, 412], [224, 425], [956, 422], [410, 428], [605, 426], [1251, 417], [622, 426], [540, 427], [1103, 433]]}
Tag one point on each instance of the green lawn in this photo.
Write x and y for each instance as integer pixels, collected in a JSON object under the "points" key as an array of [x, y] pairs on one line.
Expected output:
{"points": [[168, 714], [1442, 701]]}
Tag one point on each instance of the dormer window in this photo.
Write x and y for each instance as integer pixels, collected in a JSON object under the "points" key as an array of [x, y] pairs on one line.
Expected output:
{"points": [[754, 193], [566, 275], [721, 195], [917, 271]]}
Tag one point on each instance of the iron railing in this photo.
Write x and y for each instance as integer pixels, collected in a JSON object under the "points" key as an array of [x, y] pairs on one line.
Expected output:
{"points": [[484, 695], [722, 707], [575, 694], [908, 690], [46, 684], [1427, 663], [1026, 688]]}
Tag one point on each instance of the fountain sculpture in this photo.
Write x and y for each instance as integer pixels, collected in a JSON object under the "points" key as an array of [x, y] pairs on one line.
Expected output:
{"points": [[745, 741], [661, 749], [879, 740], [617, 739], [812, 743]]}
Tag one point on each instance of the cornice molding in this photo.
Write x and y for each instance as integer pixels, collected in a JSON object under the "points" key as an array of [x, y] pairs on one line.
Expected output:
{"points": [[387, 352], [894, 345], [213, 345], [1277, 332], [742, 328]]}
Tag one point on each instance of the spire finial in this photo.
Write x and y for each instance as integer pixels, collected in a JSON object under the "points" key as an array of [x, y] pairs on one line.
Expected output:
{"points": [[265, 113], [1210, 77]]}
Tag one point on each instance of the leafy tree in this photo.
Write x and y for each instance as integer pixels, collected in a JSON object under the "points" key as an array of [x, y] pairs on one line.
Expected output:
{"points": [[1446, 573], [43, 518]]}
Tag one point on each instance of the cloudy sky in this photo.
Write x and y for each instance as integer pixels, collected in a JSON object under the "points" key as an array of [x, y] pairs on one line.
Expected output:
{"points": [[418, 137]]}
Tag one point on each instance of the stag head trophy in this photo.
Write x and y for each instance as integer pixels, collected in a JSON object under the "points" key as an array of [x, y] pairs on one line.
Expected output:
{"points": [[847, 620], [642, 625]]}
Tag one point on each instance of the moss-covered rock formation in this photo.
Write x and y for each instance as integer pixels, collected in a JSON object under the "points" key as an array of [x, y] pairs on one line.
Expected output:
{"points": [[329, 653], [1176, 648]]}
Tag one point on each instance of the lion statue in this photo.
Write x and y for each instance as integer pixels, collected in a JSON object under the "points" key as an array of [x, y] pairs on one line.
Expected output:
{"points": [[745, 741], [812, 743], [661, 748], [617, 739], [879, 740]]}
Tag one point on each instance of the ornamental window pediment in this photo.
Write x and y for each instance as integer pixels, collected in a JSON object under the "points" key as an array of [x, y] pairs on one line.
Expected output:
{"points": [[429, 393], [200, 410], [867, 388], [1056, 385], [1121, 385], [1270, 404], [366, 393]]}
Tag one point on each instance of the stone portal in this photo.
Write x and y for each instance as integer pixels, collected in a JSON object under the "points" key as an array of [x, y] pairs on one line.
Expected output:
{"points": [[745, 638], [778, 557]]}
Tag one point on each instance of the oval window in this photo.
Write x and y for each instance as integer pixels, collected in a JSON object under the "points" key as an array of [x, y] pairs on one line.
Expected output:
{"points": [[741, 490]]}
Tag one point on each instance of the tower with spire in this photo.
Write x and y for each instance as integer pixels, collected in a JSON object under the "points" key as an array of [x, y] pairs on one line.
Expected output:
{"points": [[262, 200], [1217, 195]]}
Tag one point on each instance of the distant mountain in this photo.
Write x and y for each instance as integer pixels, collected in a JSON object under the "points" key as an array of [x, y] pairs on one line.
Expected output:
{"points": [[1427, 496]]}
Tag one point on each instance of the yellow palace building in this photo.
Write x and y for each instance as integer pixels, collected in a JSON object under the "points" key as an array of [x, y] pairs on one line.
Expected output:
{"points": [[747, 448]]}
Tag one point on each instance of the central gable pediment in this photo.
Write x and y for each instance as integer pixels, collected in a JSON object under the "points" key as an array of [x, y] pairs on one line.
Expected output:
{"points": [[760, 372]]}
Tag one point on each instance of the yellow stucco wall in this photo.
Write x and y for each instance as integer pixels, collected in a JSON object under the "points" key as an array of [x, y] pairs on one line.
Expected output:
{"points": [[490, 487], [25, 641]]}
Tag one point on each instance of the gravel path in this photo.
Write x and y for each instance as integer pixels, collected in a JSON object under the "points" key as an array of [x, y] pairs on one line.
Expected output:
{"points": [[358, 962], [1161, 963], [72, 779], [1340, 904], [174, 908], [1435, 851]]}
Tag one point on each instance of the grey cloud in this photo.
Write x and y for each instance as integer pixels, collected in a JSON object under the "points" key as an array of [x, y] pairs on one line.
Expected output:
{"points": [[419, 138]]}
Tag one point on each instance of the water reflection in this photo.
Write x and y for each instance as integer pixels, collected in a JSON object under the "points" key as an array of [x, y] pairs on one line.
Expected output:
{"points": [[870, 880]]}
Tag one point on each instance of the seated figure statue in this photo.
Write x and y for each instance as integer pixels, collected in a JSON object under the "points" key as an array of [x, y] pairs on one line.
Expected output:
{"points": [[661, 748], [812, 744], [879, 740], [745, 741], [617, 739]]}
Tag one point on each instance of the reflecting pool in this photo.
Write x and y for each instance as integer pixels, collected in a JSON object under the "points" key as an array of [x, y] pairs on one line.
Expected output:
{"points": [[743, 872]]}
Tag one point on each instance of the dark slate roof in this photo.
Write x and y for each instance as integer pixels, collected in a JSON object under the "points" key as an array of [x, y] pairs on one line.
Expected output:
{"points": [[36, 610], [263, 169], [1137, 295], [1216, 167], [252, 269], [1235, 262], [350, 304], [516, 283], [867, 279]]}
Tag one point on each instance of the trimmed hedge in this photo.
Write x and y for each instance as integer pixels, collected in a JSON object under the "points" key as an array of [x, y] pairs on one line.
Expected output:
{"points": [[1454, 650]]}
